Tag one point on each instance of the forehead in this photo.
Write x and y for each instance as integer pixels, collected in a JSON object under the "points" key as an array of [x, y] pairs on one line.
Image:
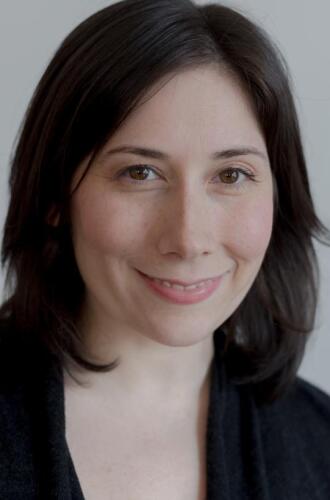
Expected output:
{"points": [[197, 109]]}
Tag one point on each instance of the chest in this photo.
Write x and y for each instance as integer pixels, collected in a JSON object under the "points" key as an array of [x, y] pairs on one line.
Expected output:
{"points": [[117, 457]]}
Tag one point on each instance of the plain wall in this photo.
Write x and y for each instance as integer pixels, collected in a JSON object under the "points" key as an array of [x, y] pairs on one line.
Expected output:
{"points": [[31, 31]]}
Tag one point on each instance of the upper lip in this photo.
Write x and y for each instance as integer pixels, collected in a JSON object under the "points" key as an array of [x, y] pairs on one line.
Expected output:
{"points": [[179, 282]]}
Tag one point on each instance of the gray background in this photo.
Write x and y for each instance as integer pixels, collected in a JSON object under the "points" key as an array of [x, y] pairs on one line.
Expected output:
{"points": [[31, 31]]}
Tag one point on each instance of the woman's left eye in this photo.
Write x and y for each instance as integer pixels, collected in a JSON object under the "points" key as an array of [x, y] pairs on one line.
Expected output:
{"points": [[233, 176], [230, 176]]}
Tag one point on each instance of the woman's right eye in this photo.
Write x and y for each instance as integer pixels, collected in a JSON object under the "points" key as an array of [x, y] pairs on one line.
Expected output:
{"points": [[136, 174]]}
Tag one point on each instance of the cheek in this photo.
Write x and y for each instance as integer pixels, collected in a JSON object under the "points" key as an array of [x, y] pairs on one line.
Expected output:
{"points": [[105, 225], [251, 229]]}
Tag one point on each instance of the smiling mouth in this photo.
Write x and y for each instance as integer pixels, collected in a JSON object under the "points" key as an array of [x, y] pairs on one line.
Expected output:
{"points": [[182, 284], [179, 294]]}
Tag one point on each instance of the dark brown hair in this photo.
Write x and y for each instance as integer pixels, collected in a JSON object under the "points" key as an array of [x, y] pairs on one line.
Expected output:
{"points": [[99, 74]]}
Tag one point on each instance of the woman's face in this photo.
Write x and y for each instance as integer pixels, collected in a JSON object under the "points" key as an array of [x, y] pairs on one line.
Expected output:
{"points": [[185, 215]]}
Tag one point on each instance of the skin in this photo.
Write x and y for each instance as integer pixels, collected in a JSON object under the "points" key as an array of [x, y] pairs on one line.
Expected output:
{"points": [[182, 222]]}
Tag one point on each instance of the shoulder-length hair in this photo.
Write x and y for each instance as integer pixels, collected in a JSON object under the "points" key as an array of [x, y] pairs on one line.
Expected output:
{"points": [[99, 74]]}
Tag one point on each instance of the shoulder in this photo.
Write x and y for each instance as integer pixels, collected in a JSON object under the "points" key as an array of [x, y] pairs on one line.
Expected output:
{"points": [[295, 435], [15, 427], [308, 416], [302, 415], [278, 450], [315, 401], [31, 414], [305, 404]]}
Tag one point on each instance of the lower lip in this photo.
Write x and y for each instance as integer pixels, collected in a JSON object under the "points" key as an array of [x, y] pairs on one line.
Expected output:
{"points": [[181, 296]]}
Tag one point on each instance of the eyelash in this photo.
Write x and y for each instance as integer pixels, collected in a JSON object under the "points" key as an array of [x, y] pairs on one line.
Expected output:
{"points": [[249, 175]]}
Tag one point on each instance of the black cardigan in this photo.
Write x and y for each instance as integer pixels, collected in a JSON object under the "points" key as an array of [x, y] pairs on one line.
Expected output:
{"points": [[275, 452]]}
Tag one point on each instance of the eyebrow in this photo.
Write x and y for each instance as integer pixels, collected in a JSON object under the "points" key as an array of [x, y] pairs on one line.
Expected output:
{"points": [[159, 155]]}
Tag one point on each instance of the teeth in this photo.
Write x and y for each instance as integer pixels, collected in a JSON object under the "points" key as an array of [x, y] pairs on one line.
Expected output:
{"points": [[180, 287]]}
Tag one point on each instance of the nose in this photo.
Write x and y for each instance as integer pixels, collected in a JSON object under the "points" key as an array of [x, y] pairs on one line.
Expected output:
{"points": [[188, 224]]}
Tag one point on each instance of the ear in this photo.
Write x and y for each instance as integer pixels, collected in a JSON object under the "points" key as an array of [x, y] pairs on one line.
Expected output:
{"points": [[53, 216]]}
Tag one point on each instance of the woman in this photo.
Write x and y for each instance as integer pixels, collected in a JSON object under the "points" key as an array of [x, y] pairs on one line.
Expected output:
{"points": [[162, 280]]}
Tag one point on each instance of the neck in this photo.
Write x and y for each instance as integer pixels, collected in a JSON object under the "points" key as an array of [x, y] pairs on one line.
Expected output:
{"points": [[147, 369]]}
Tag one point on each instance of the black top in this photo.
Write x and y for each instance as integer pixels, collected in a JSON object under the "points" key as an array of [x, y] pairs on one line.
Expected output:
{"points": [[275, 452]]}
